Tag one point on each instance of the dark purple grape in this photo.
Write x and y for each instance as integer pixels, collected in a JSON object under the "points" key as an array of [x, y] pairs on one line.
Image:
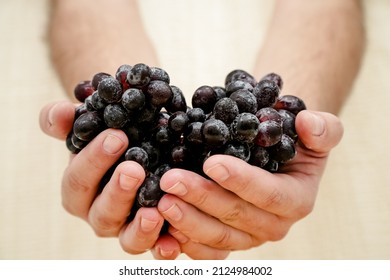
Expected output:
{"points": [[153, 152], [205, 98], [80, 109], [266, 93], [162, 136], [277, 79], [288, 124], [178, 122], [215, 133], [110, 90], [226, 110], [98, 77], [88, 104], [133, 100], [139, 75], [196, 115], [270, 133], [138, 155], [220, 92], [115, 116], [290, 103], [268, 114], [180, 156], [69, 144], [193, 134], [149, 193], [177, 102], [97, 102], [147, 117], [87, 126], [162, 169], [78, 143], [134, 134], [236, 85], [245, 128], [238, 150], [284, 150], [245, 100], [259, 156], [121, 76], [83, 90], [158, 93], [160, 74], [271, 166], [239, 75]]}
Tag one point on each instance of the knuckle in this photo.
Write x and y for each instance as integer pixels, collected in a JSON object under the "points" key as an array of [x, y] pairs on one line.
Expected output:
{"points": [[75, 183], [222, 240], [235, 213], [274, 199], [105, 226]]}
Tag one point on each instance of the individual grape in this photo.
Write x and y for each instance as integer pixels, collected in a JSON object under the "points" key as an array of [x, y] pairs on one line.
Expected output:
{"points": [[110, 90], [160, 74], [139, 75], [239, 75], [236, 85], [268, 114], [162, 136], [147, 116], [284, 150], [205, 98], [271, 166], [80, 109], [288, 124], [78, 143], [69, 144], [97, 102], [133, 100], [180, 156], [135, 134], [220, 92], [193, 134], [153, 152], [88, 104], [177, 102], [158, 93], [245, 100], [226, 110], [82, 90], [215, 133], [196, 115], [98, 77], [87, 126], [238, 150], [149, 193], [259, 156], [138, 155], [162, 169], [270, 133], [277, 79], [121, 76], [178, 122], [245, 128], [266, 93], [290, 103], [115, 116]]}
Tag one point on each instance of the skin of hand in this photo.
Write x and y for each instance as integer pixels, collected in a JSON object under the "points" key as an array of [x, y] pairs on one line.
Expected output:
{"points": [[242, 207]]}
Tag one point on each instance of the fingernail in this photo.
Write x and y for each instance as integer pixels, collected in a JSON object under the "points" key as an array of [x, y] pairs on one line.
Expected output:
{"points": [[317, 125], [218, 172], [112, 144], [174, 213], [166, 253], [178, 189], [148, 225], [127, 182]]}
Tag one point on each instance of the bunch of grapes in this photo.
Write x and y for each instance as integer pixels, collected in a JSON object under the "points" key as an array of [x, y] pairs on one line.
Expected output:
{"points": [[245, 118]]}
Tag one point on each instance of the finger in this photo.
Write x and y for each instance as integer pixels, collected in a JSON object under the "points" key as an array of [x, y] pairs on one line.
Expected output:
{"points": [[110, 209], [142, 233], [280, 194], [86, 169], [166, 248], [197, 251], [319, 131], [201, 227], [56, 119], [222, 204]]}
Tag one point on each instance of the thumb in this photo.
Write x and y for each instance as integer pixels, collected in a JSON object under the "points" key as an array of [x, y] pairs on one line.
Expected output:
{"points": [[319, 131]]}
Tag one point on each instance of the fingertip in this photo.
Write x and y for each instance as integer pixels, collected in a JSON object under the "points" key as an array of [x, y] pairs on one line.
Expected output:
{"points": [[319, 131], [56, 118], [166, 248]]}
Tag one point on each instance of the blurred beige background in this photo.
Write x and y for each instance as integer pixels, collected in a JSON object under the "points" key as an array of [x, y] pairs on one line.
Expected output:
{"points": [[351, 219]]}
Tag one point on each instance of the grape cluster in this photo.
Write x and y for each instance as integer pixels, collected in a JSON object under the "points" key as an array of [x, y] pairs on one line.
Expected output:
{"points": [[245, 118]]}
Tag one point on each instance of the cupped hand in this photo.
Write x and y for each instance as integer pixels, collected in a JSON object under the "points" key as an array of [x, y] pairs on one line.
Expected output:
{"points": [[244, 206]]}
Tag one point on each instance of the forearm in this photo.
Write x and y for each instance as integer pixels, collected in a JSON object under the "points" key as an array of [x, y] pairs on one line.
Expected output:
{"points": [[87, 37], [317, 47]]}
